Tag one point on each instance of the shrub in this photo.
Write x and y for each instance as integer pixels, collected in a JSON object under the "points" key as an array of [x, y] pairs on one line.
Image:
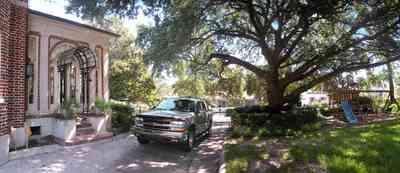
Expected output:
{"points": [[263, 123], [253, 109], [263, 132], [230, 112], [236, 133], [362, 104], [322, 108], [247, 132], [378, 104], [69, 109], [295, 119], [122, 116], [362, 100], [244, 117], [311, 127], [102, 105], [394, 108]]}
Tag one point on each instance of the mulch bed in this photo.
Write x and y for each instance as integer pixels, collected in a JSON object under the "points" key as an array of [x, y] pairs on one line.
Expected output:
{"points": [[335, 122]]}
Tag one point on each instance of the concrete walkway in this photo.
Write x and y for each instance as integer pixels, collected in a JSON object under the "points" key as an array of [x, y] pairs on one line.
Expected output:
{"points": [[125, 154]]}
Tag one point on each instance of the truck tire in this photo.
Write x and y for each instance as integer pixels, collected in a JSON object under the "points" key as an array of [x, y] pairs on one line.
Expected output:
{"points": [[142, 140], [190, 140], [209, 129]]}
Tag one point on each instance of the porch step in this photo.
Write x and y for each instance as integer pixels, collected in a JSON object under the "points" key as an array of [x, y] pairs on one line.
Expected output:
{"points": [[84, 131], [83, 125], [87, 138]]}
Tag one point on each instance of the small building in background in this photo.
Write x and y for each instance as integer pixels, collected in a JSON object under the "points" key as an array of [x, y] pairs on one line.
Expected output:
{"points": [[314, 97]]}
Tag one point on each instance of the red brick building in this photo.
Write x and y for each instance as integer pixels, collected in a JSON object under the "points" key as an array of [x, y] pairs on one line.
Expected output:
{"points": [[37, 49], [13, 22]]}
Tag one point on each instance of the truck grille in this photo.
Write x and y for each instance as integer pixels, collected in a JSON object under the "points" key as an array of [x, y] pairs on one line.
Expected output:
{"points": [[157, 120], [156, 123]]}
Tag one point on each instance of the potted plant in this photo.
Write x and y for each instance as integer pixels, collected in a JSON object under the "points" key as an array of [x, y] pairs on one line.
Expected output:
{"points": [[102, 106], [101, 116], [65, 124]]}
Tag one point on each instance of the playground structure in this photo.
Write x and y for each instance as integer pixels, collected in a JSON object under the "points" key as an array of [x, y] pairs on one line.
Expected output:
{"points": [[352, 104]]}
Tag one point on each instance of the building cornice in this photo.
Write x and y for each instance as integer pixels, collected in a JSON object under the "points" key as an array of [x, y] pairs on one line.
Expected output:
{"points": [[21, 3], [38, 13]]}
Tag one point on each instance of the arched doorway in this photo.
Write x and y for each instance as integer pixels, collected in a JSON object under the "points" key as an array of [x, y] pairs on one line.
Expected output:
{"points": [[79, 60]]}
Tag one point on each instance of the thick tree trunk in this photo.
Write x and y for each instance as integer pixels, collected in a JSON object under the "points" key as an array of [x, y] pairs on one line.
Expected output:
{"points": [[275, 96], [392, 98]]}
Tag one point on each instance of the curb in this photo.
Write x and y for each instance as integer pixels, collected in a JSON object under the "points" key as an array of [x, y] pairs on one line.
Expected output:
{"points": [[20, 154], [197, 164], [217, 163], [221, 168]]}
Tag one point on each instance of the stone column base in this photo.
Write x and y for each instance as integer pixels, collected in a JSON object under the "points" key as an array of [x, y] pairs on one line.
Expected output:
{"points": [[4, 148]]}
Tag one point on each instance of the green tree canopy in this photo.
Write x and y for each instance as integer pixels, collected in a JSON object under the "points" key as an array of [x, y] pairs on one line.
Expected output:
{"points": [[291, 45], [129, 77]]}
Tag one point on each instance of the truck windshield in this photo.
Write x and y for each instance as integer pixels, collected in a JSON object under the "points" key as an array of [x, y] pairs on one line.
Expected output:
{"points": [[181, 105]]}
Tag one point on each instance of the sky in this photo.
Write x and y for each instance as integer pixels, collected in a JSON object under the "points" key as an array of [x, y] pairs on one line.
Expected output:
{"points": [[57, 8]]}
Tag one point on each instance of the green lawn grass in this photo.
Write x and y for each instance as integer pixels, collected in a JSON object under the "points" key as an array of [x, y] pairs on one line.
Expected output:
{"points": [[373, 148], [239, 157], [369, 149]]}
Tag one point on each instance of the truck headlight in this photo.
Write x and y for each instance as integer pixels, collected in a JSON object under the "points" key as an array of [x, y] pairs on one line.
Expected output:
{"points": [[139, 121], [177, 124]]}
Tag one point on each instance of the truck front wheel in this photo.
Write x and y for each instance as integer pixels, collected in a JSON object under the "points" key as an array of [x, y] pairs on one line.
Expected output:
{"points": [[190, 140], [142, 140], [209, 129]]}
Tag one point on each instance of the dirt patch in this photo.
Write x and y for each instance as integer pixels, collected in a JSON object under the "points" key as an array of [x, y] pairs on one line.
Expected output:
{"points": [[333, 122]]}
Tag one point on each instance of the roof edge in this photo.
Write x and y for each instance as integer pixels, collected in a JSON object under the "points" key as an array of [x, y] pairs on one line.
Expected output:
{"points": [[72, 22]]}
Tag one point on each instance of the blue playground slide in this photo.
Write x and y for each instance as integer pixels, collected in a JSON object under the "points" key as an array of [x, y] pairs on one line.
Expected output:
{"points": [[348, 112]]}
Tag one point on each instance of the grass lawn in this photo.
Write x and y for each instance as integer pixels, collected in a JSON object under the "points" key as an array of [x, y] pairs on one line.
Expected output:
{"points": [[372, 148]]}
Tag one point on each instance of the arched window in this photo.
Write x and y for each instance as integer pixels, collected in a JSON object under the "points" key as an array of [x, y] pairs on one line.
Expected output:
{"points": [[86, 60], [32, 71]]}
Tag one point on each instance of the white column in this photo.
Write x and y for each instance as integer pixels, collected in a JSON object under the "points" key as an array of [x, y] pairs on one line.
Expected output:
{"points": [[106, 72], [44, 71], [92, 84]]}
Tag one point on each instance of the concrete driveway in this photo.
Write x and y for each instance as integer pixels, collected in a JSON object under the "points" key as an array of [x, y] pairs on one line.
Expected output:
{"points": [[125, 154]]}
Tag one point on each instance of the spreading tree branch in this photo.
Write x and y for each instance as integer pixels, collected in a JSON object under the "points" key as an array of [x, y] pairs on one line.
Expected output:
{"points": [[336, 72], [229, 59]]}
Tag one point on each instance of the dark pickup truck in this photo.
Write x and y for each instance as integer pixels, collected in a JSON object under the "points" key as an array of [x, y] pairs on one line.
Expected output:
{"points": [[175, 119]]}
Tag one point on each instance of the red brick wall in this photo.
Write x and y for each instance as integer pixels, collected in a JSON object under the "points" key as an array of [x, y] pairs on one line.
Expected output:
{"points": [[4, 29], [16, 88], [13, 22]]}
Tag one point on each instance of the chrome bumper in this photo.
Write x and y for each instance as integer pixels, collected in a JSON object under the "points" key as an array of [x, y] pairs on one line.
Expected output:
{"points": [[160, 135]]}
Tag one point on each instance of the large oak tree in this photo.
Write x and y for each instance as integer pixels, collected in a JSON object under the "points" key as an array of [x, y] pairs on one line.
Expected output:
{"points": [[291, 45]]}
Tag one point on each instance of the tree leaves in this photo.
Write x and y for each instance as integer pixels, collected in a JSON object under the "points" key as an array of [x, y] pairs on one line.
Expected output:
{"points": [[129, 77], [291, 44]]}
